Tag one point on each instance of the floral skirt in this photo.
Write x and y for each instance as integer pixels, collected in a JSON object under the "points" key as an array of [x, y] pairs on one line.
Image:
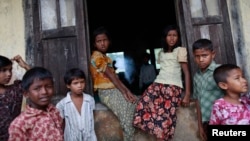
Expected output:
{"points": [[156, 110]]}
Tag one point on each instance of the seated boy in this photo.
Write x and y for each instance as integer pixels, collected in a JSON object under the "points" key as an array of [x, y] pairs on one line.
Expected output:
{"points": [[40, 120]]}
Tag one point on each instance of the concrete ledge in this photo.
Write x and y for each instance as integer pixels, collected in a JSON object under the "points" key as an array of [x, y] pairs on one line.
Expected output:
{"points": [[107, 125]]}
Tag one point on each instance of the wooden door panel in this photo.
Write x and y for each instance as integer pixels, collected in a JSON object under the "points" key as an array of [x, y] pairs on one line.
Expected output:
{"points": [[60, 55], [65, 45], [215, 34], [214, 27]]}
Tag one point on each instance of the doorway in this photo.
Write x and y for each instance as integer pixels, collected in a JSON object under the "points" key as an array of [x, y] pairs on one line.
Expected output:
{"points": [[135, 27]]}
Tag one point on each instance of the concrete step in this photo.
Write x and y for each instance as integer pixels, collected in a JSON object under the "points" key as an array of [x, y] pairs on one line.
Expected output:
{"points": [[107, 126]]}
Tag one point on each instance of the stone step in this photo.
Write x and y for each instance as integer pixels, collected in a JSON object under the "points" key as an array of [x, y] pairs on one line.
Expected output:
{"points": [[107, 126]]}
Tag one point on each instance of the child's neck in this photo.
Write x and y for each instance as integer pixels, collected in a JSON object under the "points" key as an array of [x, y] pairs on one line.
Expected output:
{"points": [[2, 89], [73, 95], [43, 108], [232, 98]]}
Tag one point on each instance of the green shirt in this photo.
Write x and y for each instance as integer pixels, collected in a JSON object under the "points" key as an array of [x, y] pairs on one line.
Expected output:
{"points": [[206, 90]]}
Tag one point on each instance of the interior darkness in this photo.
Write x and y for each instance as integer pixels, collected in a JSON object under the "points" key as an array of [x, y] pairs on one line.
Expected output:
{"points": [[134, 25], [131, 22]]}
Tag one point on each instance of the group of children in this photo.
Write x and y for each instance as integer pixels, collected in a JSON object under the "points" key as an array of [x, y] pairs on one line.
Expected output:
{"points": [[71, 119], [154, 112]]}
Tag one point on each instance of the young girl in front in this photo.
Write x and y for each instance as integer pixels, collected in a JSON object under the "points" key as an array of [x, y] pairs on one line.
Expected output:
{"points": [[77, 108], [10, 94], [234, 107], [112, 92], [156, 109]]}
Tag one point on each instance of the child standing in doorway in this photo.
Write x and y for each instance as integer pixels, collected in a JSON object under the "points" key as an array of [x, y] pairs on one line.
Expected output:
{"points": [[156, 109], [10, 94], [234, 107], [77, 108], [40, 120], [205, 89], [112, 92]]}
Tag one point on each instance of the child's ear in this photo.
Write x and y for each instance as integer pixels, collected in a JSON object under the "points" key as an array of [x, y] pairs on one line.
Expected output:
{"points": [[68, 86], [223, 85], [25, 94]]}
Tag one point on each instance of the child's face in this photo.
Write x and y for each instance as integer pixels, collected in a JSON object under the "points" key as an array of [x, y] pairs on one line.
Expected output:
{"points": [[172, 38], [203, 58], [5, 74], [236, 83], [77, 86], [40, 93], [102, 42]]}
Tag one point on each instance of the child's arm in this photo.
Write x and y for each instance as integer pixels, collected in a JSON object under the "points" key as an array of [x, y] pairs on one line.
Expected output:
{"points": [[119, 85], [200, 126], [60, 108], [16, 133], [21, 62], [186, 72]]}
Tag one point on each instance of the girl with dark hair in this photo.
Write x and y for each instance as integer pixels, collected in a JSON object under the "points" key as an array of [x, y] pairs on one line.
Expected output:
{"points": [[112, 92], [10, 94], [156, 109]]}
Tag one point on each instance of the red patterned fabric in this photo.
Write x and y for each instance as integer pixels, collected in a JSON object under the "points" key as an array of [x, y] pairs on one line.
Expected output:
{"points": [[225, 113], [37, 125], [10, 107], [156, 110]]}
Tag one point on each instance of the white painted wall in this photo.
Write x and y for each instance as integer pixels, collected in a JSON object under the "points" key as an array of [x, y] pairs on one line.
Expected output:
{"points": [[240, 25], [12, 39]]}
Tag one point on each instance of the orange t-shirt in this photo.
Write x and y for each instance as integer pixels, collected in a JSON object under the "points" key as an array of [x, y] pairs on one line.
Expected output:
{"points": [[99, 63]]}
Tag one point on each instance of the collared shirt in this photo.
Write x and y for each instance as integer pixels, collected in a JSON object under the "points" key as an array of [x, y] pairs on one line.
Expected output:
{"points": [[10, 107], [170, 71], [206, 90], [99, 63], [225, 113], [78, 126], [37, 125]]}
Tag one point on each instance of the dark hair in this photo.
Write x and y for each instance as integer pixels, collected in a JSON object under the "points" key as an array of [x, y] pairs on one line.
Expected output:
{"points": [[72, 74], [203, 44], [164, 35], [221, 73], [36, 73], [101, 30], [146, 55], [4, 61]]}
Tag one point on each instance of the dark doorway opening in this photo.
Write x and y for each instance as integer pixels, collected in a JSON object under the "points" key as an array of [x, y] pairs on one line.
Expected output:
{"points": [[135, 26]]}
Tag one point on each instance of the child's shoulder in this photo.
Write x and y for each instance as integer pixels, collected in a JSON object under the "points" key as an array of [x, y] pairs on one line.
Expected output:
{"points": [[96, 53], [88, 96], [63, 100], [21, 120]]}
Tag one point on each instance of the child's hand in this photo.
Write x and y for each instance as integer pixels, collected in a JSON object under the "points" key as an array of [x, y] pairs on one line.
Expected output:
{"points": [[130, 97], [21, 62], [202, 134], [186, 101]]}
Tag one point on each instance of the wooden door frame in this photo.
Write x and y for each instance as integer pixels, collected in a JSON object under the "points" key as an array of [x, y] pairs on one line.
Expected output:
{"points": [[32, 37], [184, 20]]}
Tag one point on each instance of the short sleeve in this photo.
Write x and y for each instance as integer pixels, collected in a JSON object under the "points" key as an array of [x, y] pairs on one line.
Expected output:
{"points": [[16, 132], [216, 114], [159, 57], [60, 107], [100, 62], [182, 54]]}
